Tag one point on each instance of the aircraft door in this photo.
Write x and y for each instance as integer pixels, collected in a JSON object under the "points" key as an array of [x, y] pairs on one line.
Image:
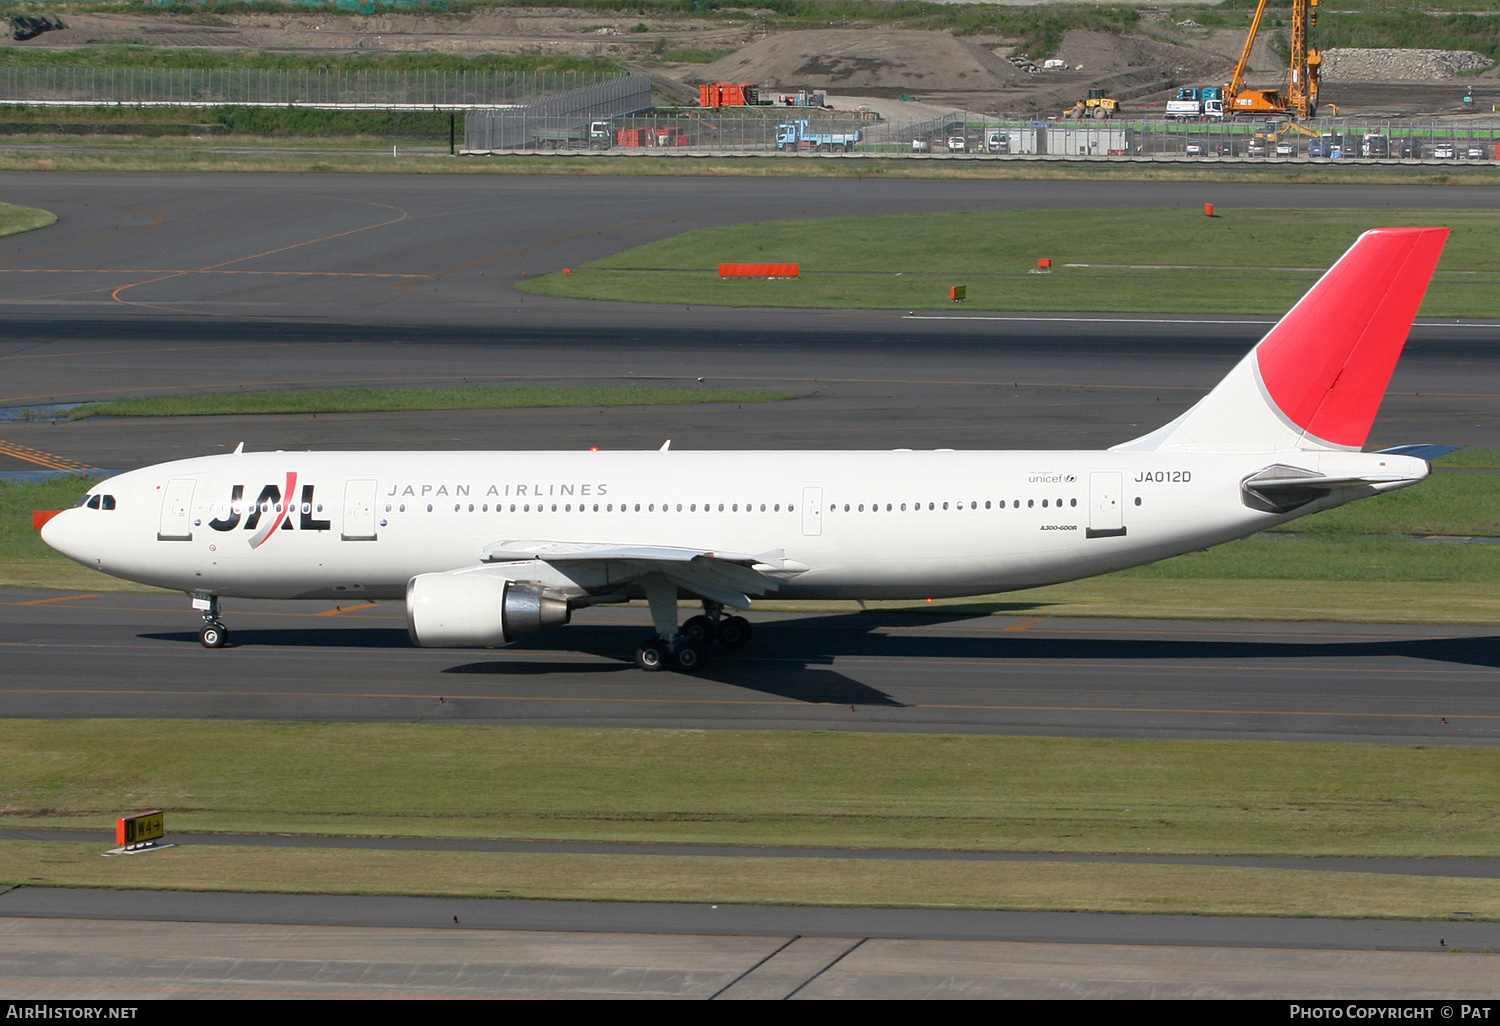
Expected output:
{"points": [[176, 522], [812, 511], [1106, 504], [359, 511]]}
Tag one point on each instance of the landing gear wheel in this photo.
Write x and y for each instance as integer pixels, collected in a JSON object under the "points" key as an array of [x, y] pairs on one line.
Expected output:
{"points": [[690, 656], [652, 656], [734, 632], [699, 628], [213, 635]]}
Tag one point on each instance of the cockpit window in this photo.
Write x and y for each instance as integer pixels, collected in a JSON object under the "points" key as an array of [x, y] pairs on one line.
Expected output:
{"points": [[98, 501], [109, 502], [93, 502]]}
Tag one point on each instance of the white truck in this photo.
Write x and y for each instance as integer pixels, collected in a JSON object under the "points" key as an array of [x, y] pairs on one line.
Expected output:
{"points": [[1207, 102]]}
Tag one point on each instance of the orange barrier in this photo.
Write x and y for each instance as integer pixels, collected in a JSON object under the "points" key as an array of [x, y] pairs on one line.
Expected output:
{"points": [[39, 517], [760, 270]]}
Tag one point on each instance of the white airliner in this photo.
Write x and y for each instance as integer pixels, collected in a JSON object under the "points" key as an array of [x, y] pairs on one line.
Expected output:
{"points": [[487, 546]]}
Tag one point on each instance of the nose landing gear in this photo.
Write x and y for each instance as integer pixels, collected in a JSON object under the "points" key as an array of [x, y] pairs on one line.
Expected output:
{"points": [[213, 634]]}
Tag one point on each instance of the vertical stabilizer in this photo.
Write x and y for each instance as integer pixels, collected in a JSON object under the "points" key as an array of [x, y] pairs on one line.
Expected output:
{"points": [[1316, 380]]}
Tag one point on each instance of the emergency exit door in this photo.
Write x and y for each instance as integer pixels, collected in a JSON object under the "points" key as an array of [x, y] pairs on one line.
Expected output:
{"points": [[176, 523], [1106, 504], [812, 511], [359, 511]]}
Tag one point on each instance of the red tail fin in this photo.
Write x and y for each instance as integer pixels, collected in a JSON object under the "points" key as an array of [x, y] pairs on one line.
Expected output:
{"points": [[1316, 380], [1327, 363]]}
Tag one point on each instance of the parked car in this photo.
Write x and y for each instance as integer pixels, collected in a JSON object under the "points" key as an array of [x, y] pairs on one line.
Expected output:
{"points": [[1474, 152], [1194, 149], [1444, 151], [1227, 149], [921, 145], [1256, 148], [956, 144], [1286, 149], [1317, 148]]}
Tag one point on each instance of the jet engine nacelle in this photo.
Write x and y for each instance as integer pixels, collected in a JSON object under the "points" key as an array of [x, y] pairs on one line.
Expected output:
{"points": [[477, 610]]}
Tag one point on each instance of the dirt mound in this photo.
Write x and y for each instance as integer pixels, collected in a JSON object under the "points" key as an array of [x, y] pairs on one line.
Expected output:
{"points": [[849, 60], [1107, 53]]}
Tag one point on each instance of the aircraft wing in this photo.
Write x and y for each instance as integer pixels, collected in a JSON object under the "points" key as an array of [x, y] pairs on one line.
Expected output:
{"points": [[729, 578]]}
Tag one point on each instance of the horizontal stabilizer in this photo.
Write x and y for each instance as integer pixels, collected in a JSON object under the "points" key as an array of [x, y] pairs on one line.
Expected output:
{"points": [[1281, 489], [1421, 452]]}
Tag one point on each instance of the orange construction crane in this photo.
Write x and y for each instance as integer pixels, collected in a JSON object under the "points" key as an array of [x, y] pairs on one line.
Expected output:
{"points": [[1302, 86], [1301, 96]]}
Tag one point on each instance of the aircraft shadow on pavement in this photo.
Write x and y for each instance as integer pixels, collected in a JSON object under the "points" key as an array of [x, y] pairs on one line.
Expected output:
{"points": [[793, 658], [763, 667], [882, 633], [301, 637]]}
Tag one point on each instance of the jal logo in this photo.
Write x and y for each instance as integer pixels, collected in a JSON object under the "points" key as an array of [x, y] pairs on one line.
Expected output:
{"points": [[269, 514]]}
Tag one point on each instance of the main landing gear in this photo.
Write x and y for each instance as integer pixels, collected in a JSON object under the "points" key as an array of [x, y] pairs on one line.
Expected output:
{"points": [[213, 634], [686, 649]]}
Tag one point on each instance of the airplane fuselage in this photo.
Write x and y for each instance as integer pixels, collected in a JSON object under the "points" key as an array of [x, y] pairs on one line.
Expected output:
{"points": [[859, 524]]}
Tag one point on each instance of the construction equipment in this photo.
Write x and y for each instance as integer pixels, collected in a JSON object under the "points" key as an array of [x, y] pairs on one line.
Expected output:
{"points": [[795, 136], [593, 135], [1307, 63], [1097, 105], [1301, 97], [729, 94], [1194, 102]]}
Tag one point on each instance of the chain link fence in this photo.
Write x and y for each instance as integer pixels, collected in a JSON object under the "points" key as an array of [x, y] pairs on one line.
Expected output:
{"points": [[574, 119], [751, 131], [304, 87]]}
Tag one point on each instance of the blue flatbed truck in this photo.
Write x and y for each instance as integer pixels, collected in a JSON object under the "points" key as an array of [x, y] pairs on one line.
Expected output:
{"points": [[795, 136]]}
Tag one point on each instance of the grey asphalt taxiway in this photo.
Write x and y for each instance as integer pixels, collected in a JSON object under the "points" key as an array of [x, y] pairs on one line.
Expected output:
{"points": [[157, 284], [121, 655]]}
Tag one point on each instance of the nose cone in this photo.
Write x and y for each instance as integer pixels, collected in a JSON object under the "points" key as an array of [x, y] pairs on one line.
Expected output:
{"points": [[53, 530], [55, 533]]}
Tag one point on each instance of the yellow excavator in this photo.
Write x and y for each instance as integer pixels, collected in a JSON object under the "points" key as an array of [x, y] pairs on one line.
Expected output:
{"points": [[1301, 98]]}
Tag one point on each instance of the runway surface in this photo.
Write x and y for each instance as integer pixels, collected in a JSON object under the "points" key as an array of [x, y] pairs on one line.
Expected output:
{"points": [[154, 284], [123, 945], [117, 655]]}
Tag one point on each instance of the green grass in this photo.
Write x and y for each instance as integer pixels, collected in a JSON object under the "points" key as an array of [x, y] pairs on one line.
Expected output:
{"points": [[1236, 262], [825, 788], [878, 883], [1353, 558], [1487, 459], [130, 55], [1446, 503], [1282, 599], [14, 220], [369, 400]]}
